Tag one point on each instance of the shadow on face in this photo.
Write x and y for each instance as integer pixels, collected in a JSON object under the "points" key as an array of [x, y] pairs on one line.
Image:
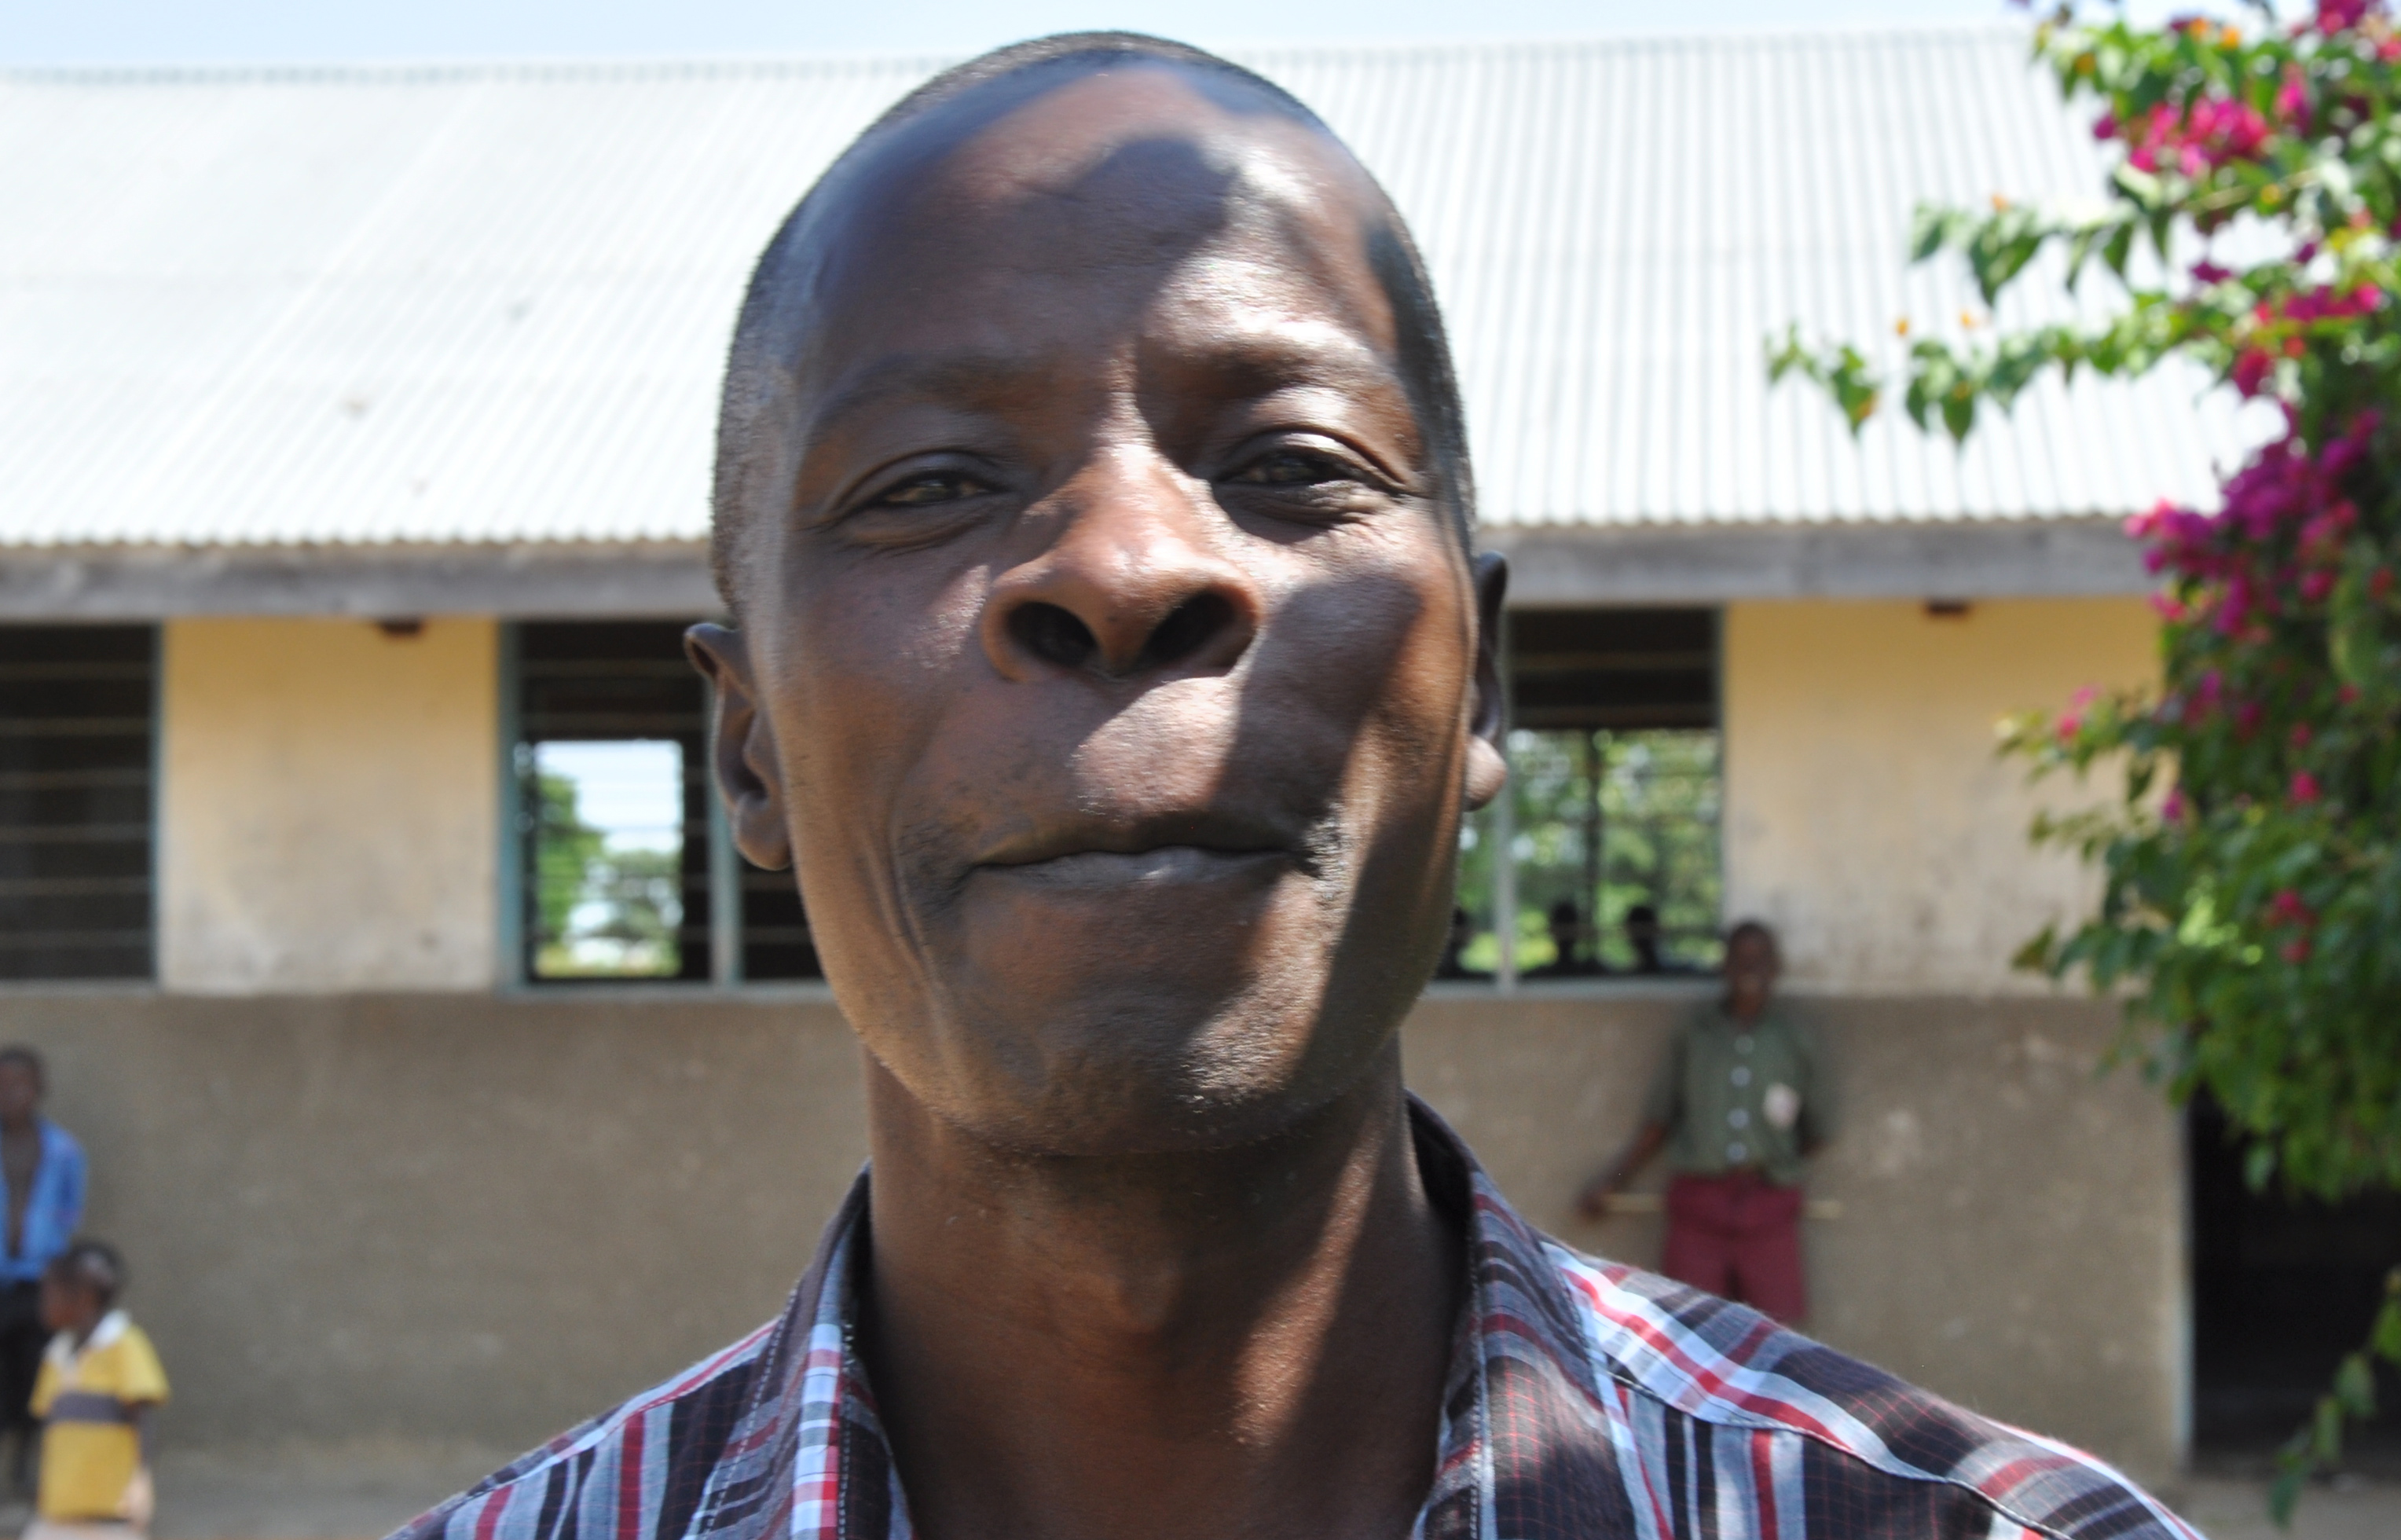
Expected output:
{"points": [[1112, 668]]}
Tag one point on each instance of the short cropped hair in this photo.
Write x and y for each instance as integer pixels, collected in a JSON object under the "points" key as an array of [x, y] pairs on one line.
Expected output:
{"points": [[762, 334], [93, 1265], [1755, 928], [18, 1053]]}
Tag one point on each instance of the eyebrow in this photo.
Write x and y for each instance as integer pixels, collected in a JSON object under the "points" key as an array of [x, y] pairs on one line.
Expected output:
{"points": [[1257, 364], [976, 378]]}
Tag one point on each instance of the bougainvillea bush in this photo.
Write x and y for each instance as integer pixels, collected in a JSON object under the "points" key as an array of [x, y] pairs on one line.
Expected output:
{"points": [[2251, 908]]}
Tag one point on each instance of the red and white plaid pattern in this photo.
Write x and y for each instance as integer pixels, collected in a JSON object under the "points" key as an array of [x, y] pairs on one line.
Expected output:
{"points": [[1585, 1400]]}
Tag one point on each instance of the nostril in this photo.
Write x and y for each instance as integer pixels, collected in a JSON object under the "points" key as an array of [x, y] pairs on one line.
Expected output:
{"points": [[1187, 630], [1053, 635]]}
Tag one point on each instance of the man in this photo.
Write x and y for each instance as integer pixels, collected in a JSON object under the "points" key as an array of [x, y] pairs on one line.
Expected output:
{"points": [[45, 1170], [1740, 1100], [1568, 960], [1113, 669], [1647, 938]]}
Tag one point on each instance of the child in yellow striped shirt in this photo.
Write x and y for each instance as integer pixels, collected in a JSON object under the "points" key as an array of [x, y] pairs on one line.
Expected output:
{"points": [[99, 1382]]}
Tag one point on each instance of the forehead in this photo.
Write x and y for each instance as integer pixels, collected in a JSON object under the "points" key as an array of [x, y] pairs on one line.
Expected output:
{"points": [[1147, 194]]}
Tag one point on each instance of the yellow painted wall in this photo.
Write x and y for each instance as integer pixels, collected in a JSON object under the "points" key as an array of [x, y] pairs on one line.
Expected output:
{"points": [[328, 813], [1867, 816]]}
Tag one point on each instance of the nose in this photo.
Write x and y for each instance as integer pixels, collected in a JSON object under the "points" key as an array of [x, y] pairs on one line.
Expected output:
{"points": [[1134, 582]]}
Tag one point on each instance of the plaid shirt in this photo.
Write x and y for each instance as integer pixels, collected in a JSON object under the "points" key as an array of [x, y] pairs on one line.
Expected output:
{"points": [[1585, 1399]]}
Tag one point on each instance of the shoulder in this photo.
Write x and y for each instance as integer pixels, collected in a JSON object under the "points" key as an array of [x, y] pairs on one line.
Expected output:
{"points": [[633, 1473], [1860, 1453], [58, 1142]]}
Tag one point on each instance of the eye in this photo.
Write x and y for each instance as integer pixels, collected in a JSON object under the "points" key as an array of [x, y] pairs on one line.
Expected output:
{"points": [[1292, 468], [929, 489]]}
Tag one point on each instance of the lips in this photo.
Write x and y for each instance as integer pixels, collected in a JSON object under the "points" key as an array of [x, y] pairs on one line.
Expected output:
{"points": [[1145, 852], [1159, 866]]}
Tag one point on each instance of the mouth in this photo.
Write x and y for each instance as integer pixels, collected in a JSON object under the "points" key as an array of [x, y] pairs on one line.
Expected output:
{"points": [[1144, 853]]}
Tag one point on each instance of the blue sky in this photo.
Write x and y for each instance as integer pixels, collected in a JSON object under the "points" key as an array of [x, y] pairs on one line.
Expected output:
{"points": [[68, 31]]}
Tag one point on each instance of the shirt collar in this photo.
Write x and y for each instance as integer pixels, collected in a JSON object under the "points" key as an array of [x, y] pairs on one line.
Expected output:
{"points": [[65, 1353], [1522, 1415]]}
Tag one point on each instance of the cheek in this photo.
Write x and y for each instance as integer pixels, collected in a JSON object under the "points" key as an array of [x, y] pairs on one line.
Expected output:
{"points": [[867, 664], [1388, 655]]}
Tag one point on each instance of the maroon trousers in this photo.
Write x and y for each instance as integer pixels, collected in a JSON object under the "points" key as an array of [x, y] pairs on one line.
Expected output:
{"points": [[1737, 1236]]}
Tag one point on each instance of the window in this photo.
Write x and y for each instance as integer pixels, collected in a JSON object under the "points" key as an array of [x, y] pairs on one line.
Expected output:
{"points": [[1603, 856], [624, 868], [77, 709]]}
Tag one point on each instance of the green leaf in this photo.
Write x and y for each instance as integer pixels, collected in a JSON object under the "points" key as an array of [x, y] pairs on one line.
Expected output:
{"points": [[2285, 1496], [2118, 248], [2325, 1432], [2355, 1386], [2387, 1336], [1930, 229]]}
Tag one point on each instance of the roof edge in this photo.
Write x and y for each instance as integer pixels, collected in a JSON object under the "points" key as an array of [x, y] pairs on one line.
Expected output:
{"points": [[664, 579], [1555, 567], [1667, 564]]}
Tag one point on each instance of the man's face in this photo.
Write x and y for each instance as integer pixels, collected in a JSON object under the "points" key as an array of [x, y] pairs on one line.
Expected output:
{"points": [[1115, 664], [1750, 971], [21, 1091]]}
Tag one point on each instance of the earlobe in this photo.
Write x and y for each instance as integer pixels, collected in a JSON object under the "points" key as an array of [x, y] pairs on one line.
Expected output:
{"points": [[1487, 765], [741, 748]]}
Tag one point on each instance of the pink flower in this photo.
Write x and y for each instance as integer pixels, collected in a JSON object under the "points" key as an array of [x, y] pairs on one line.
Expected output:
{"points": [[2176, 809], [2304, 789], [2287, 908], [2301, 735], [2316, 584], [2296, 951], [2251, 370], [2342, 15], [2293, 101]]}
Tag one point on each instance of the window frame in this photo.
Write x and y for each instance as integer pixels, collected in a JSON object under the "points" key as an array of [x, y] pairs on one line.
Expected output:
{"points": [[146, 980], [725, 922], [1506, 977]]}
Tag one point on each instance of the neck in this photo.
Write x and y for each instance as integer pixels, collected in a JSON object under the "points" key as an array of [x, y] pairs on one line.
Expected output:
{"points": [[1249, 1342]]}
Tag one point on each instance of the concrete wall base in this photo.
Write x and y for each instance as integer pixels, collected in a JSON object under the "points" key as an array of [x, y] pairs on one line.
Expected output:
{"points": [[473, 1219]]}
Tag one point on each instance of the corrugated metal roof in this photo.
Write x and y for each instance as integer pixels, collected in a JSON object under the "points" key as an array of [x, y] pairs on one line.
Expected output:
{"points": [[489, 303]]}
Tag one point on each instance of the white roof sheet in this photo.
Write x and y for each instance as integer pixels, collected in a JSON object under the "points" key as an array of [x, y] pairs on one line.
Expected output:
{"points": [[489, 303]]}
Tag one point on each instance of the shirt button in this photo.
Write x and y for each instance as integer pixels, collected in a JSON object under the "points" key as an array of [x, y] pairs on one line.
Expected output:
{"points": [[1740, 1118], [1736, 1154], [1742, 1074], [1742, 1042]]}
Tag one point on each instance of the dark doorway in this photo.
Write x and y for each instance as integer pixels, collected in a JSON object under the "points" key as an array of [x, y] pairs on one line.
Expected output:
{"points": [[2282, 1288]]}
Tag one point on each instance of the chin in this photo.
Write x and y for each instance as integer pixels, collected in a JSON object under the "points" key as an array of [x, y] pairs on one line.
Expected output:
{"points": [[1135, 1066]]}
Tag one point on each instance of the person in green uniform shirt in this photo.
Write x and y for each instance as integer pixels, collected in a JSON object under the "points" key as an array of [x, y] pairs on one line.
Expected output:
{"points": [[1740, 1101]]}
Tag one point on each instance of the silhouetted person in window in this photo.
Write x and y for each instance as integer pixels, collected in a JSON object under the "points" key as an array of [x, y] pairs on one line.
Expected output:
{"points": [[45, 1171], [1568, 959], [1648, 940]]}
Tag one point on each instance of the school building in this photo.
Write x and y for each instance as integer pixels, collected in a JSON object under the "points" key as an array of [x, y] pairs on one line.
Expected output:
{"points": [[448, 1075]]}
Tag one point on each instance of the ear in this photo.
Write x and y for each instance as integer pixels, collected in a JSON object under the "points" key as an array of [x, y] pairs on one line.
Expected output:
{"points": [[741, 748], [1487, 765]]}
